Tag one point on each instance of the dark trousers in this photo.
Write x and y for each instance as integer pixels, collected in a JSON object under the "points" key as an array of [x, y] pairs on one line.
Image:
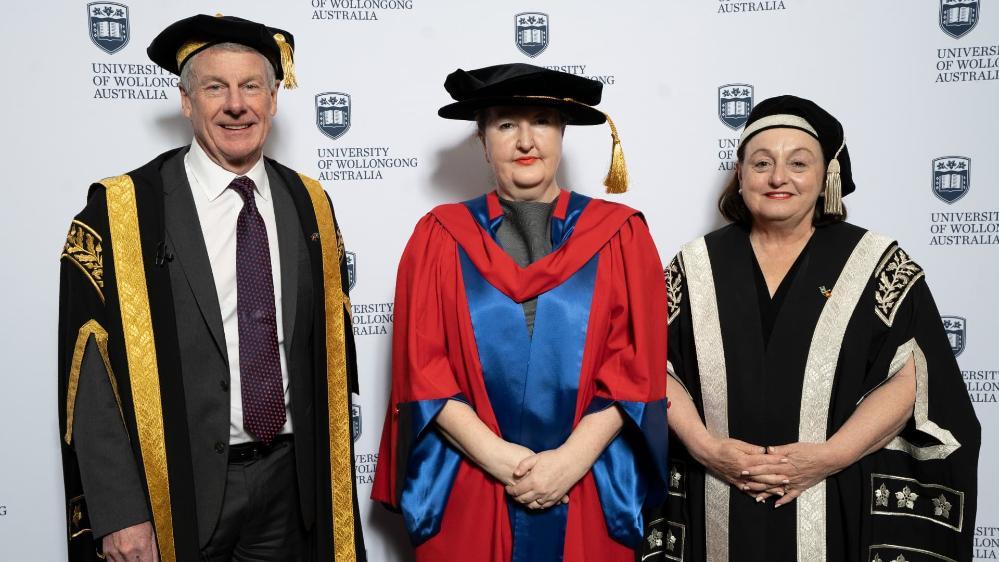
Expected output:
{"points": [[260, 520]]}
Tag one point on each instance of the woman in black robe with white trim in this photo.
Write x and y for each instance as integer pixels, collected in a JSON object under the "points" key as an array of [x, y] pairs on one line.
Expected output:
{"points": [[802, 354]]}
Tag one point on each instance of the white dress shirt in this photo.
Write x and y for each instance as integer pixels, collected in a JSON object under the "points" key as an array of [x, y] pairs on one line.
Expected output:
{"points": [[218, 208]]}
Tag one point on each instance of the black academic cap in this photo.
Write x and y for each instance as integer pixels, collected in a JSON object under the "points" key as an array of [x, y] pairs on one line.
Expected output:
{"points": [[176, 44], [522, 84], [798, 113], [526, 84]]}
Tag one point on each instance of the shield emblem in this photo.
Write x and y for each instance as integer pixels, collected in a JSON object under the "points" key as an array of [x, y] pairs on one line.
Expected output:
{"points": [[355, 421], [351, 270], [531, 30], [958, 17], [955, 326], [108, 25], [333, 113], [735, 101], [951, 177]]}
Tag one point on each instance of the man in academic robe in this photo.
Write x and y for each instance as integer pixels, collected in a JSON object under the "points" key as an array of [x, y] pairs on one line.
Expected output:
{"points": [[205, 351]]}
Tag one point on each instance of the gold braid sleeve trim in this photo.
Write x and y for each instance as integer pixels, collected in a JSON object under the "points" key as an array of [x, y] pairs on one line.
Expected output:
{"points": [[336, 378], [100, 335], [140, 350], [84, 249]]}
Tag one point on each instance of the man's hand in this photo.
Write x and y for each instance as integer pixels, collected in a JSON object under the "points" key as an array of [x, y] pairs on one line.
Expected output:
{"points": [[132, 544]]}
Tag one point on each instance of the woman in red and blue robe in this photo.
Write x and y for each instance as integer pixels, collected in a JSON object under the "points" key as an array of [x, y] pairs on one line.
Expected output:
{"points": [[527, 419]]}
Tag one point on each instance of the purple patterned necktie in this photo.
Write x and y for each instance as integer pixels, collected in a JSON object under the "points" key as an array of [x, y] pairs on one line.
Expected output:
{"points": [[261, 387]]}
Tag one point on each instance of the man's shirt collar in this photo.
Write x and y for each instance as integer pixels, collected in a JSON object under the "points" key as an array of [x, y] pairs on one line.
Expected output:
{"points": [[214, 179]]}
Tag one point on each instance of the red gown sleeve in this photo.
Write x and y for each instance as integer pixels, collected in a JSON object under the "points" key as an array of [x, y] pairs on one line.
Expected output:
{"points": [[420, 366], [632, 365]]}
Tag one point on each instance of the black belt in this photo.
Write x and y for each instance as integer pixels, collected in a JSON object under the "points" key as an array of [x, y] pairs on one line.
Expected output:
{"points": [[255, 450]]}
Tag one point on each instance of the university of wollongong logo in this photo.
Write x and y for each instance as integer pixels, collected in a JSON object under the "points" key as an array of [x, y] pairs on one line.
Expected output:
{"points": [[735, 101], [108, 22], [333, 113], [531, 30], [351, 270], [958, 17], [956, 329], [951, 177], [355, 421]]}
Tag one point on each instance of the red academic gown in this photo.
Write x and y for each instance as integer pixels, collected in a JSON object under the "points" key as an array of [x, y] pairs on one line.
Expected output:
{"points": [[599, 340]]}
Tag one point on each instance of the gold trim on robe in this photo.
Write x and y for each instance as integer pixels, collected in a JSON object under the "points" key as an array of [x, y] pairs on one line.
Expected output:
{"points": [[83, 248], [336, 377], [140, 351], [90, 328]]}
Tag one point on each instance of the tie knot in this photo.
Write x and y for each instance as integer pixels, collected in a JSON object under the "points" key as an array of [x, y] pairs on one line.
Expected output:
{"points": [[244, 187]]}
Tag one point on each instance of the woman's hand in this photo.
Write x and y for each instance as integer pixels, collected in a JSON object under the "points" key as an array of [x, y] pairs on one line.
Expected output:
{"points": [[733, 460], [544, 479], [462, 427], [726, 458], [502, 459], [794, 468]]}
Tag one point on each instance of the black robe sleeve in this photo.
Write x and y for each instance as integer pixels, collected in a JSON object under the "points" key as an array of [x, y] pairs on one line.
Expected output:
{"points": [[921, 489], [102, 483], [668, 529]]}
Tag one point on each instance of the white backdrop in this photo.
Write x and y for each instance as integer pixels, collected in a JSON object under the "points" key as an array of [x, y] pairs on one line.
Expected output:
{"points": [[908, 89]]}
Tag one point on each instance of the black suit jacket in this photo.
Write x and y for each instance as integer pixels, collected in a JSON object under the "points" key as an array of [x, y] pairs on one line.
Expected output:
{"points": [[111, 479]]}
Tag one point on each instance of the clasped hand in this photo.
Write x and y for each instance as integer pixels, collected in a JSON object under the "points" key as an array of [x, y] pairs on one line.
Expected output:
{"points": [[539, 480], [761, 472]]}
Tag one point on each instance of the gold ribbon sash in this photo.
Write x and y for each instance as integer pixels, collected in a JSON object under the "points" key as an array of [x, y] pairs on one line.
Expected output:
{"points": [[336, 378], [140, 351]]}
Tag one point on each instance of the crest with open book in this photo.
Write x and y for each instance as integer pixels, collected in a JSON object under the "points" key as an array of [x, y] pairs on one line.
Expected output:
{"points": [[333, 113], [735, 101], [108, 23], [531, 32], [951, 177], [958, 17]]}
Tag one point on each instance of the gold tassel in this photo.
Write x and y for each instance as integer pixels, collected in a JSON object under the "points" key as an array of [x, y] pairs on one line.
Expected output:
{"points": [[617, 176], [834, 189], [287, 62]]}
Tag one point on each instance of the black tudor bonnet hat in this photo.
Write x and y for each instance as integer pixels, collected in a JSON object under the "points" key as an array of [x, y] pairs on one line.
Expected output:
{"points": [[793, 112], [181, 40], [526, 84]]}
